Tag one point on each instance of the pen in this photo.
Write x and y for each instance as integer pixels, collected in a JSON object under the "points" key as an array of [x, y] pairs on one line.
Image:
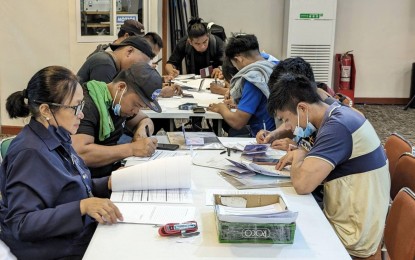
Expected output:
{"points": [[157, 61], [265, 127], [147, 131]]}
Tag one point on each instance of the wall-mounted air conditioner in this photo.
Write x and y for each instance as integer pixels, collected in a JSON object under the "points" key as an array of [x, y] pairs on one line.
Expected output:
{"points": [[309, 30]]}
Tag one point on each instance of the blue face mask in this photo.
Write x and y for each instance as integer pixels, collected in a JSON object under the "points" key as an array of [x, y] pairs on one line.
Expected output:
{"points": [[301, 133], [117, 108]]}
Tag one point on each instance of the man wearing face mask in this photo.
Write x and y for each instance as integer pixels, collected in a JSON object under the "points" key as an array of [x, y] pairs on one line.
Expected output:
{"points": [[112, 108], [347, 157]]}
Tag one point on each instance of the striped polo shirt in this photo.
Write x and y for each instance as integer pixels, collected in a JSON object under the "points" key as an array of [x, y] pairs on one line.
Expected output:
{"points": [[356, 192]]}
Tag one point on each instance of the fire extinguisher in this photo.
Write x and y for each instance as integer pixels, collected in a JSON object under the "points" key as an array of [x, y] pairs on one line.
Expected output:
{"points": [[346, 69]]}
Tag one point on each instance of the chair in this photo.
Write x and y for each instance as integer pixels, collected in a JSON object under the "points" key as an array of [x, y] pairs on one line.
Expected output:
{"points": [[399, 233], [396, 145], [4, 146], [404, 175]]}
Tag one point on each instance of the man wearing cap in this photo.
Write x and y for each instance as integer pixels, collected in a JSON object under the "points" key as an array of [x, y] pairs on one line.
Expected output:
{"points": [[129, 28], [104, 66], [109, 109]]}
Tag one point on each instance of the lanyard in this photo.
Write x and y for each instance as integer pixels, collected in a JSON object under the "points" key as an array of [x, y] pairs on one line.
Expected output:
{"points": [[81, 172]]}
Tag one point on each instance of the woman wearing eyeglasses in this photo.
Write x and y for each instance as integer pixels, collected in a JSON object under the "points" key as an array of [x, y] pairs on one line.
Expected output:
{"points": [[49, 205]]}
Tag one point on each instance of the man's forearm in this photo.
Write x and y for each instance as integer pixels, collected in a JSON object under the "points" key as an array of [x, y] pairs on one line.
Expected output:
{"points": [[96, 155], [232, 118]]}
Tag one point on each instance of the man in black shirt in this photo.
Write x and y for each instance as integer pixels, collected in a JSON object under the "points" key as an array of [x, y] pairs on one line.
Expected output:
{"points": [[110, 109], [200, 49]]}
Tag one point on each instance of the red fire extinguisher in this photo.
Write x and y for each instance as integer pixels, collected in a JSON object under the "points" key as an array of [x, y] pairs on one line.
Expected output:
{"points": [[345, 70]]}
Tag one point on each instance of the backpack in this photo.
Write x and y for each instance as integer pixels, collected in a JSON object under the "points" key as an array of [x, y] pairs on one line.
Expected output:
{"points": [[217, 30]]}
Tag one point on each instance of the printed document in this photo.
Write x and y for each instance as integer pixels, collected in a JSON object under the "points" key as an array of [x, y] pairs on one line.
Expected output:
{"points": [[159, 196], [155, 214]]}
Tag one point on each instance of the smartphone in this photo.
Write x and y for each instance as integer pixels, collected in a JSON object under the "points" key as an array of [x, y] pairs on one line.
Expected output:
{"points": [[265, 161], [184, 95], [199, 110], [187, 106], [170, 147]]}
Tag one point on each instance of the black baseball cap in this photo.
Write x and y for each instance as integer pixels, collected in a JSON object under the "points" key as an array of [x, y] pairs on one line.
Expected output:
{"points": [[146, 82], [138, 42], [133, 26]]}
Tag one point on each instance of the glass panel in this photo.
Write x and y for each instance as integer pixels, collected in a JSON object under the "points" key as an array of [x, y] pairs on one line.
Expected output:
{"points": [[97, 22], [96, 17], [129, 10]]}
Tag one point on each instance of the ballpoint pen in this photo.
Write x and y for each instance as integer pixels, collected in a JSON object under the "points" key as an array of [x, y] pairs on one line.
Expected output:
{"points": [[147, 131]]}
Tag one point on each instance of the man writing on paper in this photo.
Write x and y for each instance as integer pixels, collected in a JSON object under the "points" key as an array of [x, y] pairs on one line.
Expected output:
{"points": [[347, 156], [249, 86], [110, 107]]}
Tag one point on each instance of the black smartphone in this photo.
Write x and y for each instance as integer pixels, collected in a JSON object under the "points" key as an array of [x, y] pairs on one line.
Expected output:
{"points": [[187, 95], [170, 147], [199, 110], [265, 161]]}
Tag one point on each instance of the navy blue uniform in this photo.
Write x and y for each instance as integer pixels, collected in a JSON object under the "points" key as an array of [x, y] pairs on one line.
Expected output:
{"points": [[41, 189]]}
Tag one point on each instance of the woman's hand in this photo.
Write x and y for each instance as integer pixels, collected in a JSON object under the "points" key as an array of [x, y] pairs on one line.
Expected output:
{"points": [[102, 210]]}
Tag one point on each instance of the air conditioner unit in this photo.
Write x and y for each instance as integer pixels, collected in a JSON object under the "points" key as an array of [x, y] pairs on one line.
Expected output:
{"points": [[309, 31]]}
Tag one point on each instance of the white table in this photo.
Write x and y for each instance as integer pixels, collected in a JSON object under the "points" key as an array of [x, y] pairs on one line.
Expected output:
{"points": [[171, 111], [314, 237]]}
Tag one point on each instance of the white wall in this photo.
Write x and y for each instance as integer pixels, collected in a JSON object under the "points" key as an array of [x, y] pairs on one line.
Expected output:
{"points": [[38, 33], [264, 18], [381, 34]]}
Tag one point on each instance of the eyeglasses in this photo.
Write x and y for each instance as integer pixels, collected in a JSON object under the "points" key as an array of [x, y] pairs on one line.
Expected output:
{"points": [[78, 108]]}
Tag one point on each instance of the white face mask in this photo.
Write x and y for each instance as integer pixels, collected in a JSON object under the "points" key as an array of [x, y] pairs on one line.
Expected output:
{"points": [[303, 133]]}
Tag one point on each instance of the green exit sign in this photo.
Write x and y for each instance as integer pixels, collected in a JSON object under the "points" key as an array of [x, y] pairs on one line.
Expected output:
{"points": [[310, 16]]}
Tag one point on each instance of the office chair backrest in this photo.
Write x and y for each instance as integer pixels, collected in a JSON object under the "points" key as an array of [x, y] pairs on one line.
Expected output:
{"points": [[404, 175], [4, 146], [395, 146], [399, 233]]}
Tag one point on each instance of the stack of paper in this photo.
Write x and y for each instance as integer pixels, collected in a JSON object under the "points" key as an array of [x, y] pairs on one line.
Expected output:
{"points": [[244, 169], [273, 213], [166, 180]]}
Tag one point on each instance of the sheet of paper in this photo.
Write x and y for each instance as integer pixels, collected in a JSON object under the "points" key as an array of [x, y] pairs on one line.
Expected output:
{"points": [[217, 162], [156, 196], [165, 173], [155, 214], [158, 154], [237, 145]]}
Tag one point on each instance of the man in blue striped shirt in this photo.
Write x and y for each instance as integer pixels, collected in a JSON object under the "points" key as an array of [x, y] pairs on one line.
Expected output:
{"points": [[346, 156]]}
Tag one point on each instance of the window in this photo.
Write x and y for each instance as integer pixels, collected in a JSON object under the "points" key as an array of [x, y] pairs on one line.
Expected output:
{"points": [[100, 20]]}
